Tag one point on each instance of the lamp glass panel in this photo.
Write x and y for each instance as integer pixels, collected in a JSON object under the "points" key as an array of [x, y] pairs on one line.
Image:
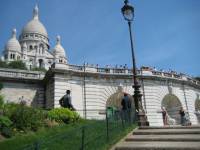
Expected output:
{"points": [[128, 14]]}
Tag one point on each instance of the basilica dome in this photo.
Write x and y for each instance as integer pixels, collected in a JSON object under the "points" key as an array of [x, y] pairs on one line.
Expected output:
{"points": [[35, 26], [13, 43], [58, 49]]}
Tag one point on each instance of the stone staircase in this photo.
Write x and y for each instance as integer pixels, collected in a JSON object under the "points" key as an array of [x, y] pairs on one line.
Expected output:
{"points": [[161, 138]]}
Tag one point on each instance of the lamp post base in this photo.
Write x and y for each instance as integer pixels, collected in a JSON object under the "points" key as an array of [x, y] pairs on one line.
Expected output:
{"points": [[142, 119]]}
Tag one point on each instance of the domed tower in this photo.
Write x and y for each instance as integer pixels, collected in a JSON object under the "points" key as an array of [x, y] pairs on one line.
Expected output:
{"points": [[12, 49], [59, 52], [35, 36]]}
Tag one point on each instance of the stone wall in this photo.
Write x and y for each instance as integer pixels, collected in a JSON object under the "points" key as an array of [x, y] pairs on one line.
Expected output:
{"points": [[18, 83], [100, 87], [33, 93]]}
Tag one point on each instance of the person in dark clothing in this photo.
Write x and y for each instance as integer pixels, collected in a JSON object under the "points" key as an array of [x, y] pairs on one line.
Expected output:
{"points": [[126, 107], [182, 114], [66, 101], [126, 104]]}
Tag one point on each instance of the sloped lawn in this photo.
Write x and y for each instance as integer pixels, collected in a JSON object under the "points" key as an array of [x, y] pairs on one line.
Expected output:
{"points": [[91, 134]]}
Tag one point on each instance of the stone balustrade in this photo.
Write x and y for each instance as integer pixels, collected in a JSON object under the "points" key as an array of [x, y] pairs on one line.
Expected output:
{"points": [[119, 71], [26, 74], [21, 74]]}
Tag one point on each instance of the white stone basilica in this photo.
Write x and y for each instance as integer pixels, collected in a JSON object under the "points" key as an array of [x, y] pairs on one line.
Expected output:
{"points": [[33, 46]]}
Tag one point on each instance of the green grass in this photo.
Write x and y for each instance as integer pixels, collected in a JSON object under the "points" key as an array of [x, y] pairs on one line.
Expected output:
{"points": [[70, 137]]}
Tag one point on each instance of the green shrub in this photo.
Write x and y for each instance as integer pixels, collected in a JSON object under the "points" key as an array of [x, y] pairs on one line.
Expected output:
{"points": [[39, 69], [63, 115], [7, 132], [1, 96], [9, 109], [27, 118], [1, 86], [5, 122], [1, 101], [3, 64], [18, 64], [5, 126]]}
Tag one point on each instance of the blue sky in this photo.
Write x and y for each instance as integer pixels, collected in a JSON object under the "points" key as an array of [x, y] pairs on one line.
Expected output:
{"points": [[166, 32]]}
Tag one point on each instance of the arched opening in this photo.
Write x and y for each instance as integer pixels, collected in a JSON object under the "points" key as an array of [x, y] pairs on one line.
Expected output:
{"points": [[172, 105], [31, 47], [114, 101], [197, 109], [41, 63]]}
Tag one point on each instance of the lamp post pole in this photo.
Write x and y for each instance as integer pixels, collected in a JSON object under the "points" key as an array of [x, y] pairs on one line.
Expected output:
{"points": [[84, 93], [128, 13]]}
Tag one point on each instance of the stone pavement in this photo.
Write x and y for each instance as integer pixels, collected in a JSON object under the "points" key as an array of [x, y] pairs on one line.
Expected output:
{"points": [[161, 138]]}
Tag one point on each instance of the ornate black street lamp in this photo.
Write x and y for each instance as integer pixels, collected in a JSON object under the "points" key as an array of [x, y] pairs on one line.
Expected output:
{"points": [[128, 13]]}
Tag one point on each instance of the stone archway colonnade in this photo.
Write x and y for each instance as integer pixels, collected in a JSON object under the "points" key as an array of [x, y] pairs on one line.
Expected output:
{"points": [[101, 83]]}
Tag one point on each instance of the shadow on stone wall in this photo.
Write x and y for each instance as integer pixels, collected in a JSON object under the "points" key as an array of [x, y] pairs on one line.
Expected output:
{"points": [[35, 101]]}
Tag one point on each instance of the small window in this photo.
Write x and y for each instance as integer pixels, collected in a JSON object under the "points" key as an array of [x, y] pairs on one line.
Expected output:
{"points": [[30, 47]]}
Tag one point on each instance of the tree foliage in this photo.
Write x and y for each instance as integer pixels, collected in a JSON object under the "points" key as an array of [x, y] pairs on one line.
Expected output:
{"points": [[39, 69], [3, 64], [197, 78], [18, 64]]}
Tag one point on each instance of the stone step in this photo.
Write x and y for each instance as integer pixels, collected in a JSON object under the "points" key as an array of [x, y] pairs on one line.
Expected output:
{"points": [[174, 137], [158, 145], [166, 131], [161, 138], [171, 127]]}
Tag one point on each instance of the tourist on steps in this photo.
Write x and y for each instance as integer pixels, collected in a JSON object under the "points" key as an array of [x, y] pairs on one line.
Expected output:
{"points": [[182, 114], [164, 115], [185, 119]]}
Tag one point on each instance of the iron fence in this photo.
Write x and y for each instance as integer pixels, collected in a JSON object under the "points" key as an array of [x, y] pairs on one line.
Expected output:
{"points": [[90, 135]]}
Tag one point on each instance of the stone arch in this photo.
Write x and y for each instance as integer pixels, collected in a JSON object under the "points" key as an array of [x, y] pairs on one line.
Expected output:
{"points": [[197, 109], [31, 47], [41, 63], [172, 105], [115, 101]]}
